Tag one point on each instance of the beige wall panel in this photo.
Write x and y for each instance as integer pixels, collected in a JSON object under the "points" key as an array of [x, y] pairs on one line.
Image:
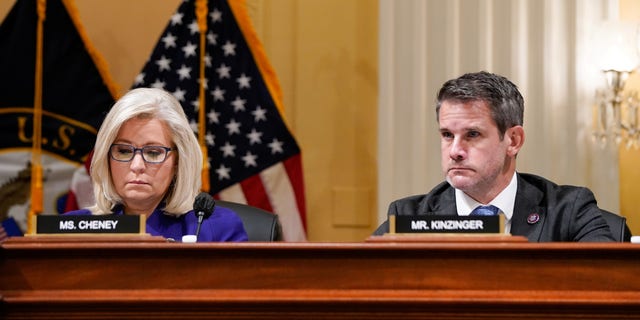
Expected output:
{"points": [[125, 32], [5, 6], [325, 56], [334, 83]]}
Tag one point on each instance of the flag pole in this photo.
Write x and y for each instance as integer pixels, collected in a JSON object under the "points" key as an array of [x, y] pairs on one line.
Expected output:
{"points": [[201, 15], [36, 163]]}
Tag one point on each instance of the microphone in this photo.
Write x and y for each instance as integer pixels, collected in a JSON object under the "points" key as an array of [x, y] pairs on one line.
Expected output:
{"points": [[203, 207]]}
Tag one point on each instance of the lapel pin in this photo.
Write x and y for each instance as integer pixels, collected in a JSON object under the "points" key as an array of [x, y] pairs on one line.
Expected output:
{"points": [[533, 218]]}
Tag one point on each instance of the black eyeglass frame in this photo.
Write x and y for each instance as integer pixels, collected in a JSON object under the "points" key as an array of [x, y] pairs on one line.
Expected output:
{"points": [[135, 150]]}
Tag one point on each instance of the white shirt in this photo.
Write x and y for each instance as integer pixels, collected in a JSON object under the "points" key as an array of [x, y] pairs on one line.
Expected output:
{"points": [[505, 201]]}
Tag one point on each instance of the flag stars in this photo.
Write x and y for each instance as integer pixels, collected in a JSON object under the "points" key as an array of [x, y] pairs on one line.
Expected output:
{"points": [[250, 160], [140, 78], [216, 15], [276, 146], [233, 127], [194, 125], [193, 27], [164, 63], [184, 72], [259, 114], [254, 137], [214, 117], [158, 84], [210, 138], [196, 105], [206, 83], [169, 41], [229, 49], [179, 94], [189, 49], [218, 94], [223, 71], [223, 172], [176, 19], [238, 104], [228, 150], [243, 81], [212, 38], [207, 60]]}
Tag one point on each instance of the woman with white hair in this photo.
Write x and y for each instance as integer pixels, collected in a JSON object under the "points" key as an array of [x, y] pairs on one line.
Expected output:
{"points": [[147, 161]]}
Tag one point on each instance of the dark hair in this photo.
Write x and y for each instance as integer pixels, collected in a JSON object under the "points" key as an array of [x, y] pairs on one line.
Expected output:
{"points": [[502, 96]]}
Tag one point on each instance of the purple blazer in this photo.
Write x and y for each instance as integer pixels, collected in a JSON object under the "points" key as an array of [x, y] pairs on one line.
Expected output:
{"points": [[223, 225]]}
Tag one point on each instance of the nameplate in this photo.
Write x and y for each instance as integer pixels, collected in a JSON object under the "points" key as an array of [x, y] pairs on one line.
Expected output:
{"points": [[448, 224], [90, 224]]}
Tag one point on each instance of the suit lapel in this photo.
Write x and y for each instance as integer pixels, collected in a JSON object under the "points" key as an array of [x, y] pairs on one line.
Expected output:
{"points": [[528, 216], [442, 201]]}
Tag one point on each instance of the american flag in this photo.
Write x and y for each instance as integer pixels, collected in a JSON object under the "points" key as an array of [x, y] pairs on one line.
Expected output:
{"points": [[253, 158]]}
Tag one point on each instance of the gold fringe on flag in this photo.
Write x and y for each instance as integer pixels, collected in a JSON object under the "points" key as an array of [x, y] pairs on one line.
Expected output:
{"points": [[201, 15], [36, 153]]}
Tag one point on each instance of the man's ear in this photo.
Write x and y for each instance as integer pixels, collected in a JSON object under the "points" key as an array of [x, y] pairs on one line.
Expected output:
{"points": [[515, 137]]}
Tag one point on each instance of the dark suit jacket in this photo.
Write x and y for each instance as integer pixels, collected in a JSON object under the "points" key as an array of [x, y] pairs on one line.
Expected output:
{"points": [[564, 213]]}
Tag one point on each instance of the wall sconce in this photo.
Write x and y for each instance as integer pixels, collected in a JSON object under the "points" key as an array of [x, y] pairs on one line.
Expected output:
{"points": [[616, 111]]}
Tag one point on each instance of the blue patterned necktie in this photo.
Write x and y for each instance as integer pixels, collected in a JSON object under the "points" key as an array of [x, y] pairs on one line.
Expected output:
{"points": [[485, 211]]}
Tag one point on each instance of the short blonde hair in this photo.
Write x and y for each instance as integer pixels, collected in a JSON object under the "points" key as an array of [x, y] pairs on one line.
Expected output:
{"points": [[156, 104]]}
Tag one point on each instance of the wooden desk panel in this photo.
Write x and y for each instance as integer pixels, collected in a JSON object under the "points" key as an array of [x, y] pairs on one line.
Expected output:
{"points": [[374, 280]]}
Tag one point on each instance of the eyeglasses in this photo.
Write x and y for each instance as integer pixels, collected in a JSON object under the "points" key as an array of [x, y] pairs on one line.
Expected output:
{"points": [[150, 154]]}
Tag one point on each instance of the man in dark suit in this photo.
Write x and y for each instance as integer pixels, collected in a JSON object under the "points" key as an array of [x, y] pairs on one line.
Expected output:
{"points": [[480, 116]]}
